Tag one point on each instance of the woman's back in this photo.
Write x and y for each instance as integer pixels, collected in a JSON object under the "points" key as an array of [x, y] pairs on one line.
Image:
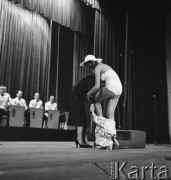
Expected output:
{"points": [[103, 67]]}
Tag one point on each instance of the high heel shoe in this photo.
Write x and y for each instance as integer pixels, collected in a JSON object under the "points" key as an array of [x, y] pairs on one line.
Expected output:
{"points": [[80, 145], [115, 143], [88, 146]]}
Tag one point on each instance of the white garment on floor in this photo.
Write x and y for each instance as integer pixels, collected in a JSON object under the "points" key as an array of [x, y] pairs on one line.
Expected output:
{"points": [[104, 131]]}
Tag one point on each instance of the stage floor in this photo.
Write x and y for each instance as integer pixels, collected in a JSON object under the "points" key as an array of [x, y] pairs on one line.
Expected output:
{"points": [[62, 160]]}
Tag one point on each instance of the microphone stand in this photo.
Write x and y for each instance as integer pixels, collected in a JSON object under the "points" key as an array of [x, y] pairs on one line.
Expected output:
{"points": [[156, 121]]}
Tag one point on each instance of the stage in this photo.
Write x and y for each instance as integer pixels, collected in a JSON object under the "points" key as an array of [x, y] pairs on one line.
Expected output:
{"points": [[126, 138], [62, 160]]}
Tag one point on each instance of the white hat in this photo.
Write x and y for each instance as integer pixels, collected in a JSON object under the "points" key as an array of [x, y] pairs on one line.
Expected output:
{"points": [[90, 58]]}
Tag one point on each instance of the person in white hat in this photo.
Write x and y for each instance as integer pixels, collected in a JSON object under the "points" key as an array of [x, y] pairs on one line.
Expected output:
{"points": [[111, 91]]}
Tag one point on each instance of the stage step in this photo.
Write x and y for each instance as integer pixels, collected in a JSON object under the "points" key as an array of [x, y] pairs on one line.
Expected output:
{"points": [[131, 138]]}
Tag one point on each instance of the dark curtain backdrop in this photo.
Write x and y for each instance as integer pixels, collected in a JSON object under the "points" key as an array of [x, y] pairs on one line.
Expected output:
{"points": [[96, 4], [70, 13], [145, 97], [54, 62], [109, 44], [68, 50], [61, 69], [65, 68], [24, 51], [82, 46], [129, 40]]}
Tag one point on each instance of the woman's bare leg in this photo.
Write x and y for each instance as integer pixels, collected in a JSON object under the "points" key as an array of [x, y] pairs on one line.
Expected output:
{"points": [[98, 109], [101, 95], [112, 103], [79, 134], [86, 136]]}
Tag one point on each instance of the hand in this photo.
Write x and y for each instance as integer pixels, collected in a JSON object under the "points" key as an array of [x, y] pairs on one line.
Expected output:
{"points": [[88, 97], [2, 107], [92, 108]]}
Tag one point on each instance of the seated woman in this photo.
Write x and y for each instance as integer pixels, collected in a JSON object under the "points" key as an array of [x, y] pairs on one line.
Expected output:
{"points": [[111, 91]]}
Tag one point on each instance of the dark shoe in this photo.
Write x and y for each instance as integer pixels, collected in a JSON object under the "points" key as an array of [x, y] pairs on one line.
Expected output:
{"points": [[115, 143], [80, 145], [88, 146]]}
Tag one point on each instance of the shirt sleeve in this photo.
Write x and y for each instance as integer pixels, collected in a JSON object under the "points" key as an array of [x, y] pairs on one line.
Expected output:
{"points": [[30, 104], [25, 105], [41, 105], [56, 108], [6, 101], [10, 100], [46, 106]]}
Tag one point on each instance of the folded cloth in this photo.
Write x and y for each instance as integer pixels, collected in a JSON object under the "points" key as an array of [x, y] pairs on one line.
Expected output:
{"points": [[104, 132]]}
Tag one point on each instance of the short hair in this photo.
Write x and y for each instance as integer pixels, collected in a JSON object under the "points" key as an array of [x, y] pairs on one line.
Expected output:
{"points": [[36, 93], [3, 87], [52, 96], [19, 91]]}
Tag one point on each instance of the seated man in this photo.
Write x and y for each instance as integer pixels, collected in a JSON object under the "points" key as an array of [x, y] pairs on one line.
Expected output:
{"points": [[5, 100], [21, 102], [50, 105], [36, 102]]}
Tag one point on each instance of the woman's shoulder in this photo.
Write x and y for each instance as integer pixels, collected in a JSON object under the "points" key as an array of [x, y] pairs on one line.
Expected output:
{"points": [[103, 67]]}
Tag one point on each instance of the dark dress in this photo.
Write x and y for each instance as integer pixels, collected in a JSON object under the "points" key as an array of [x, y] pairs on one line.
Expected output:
{"points": [[79, 114]]}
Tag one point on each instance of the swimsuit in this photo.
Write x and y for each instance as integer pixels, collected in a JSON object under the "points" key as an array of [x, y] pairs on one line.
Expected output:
{"points": [[112, 81]]}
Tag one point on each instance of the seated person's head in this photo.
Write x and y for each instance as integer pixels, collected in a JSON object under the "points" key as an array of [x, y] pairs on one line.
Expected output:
{"points": [[52, 98], [5, 89], [19, 94], [36, 96], [1, 89]]}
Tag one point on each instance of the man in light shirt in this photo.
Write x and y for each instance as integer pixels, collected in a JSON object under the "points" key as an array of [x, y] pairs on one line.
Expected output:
{"points": [[50, 105], [19, 101], [5, 100], [36, 102]]}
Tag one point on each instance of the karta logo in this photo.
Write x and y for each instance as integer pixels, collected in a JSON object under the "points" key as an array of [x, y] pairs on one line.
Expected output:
{"points": [[121, 170]]}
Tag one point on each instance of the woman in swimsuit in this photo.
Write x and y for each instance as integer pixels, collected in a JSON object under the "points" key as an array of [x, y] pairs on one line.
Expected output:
{"points": [[111, 91]]}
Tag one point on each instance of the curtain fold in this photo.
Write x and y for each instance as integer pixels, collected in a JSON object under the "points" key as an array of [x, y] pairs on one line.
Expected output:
{"points": [[54, 62], [106, 39], [69, 13], [82, 47], [97, 4], [65, 68], [25, 46], [109, 41]]}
